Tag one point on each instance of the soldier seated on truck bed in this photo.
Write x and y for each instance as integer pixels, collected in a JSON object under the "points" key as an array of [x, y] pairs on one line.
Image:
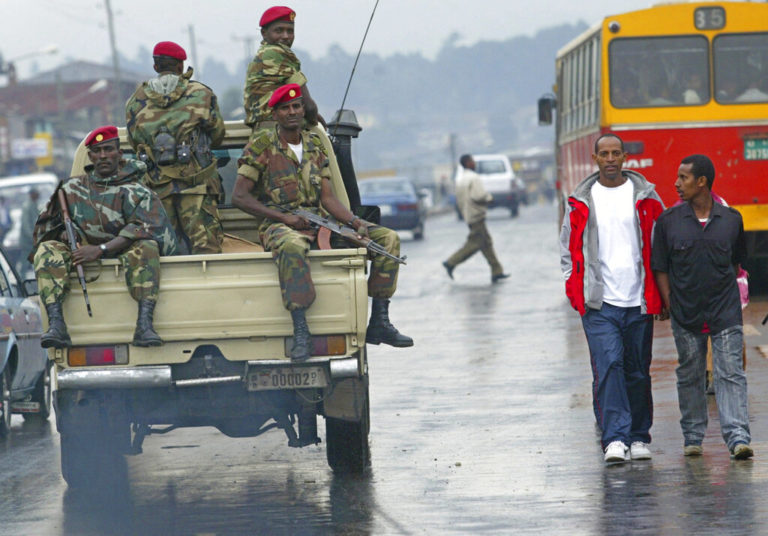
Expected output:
{"points": [[114, 216], [286, 168]]}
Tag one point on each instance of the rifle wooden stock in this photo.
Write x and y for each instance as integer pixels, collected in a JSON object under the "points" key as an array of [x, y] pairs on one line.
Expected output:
{"points": [[72, 237]]}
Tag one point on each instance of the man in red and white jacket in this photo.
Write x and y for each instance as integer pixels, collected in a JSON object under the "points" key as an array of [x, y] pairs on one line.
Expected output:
{"points": [[605, 251]]}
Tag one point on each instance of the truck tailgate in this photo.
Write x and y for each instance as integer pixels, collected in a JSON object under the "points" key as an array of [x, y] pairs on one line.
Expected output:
{"points": [[230, 299]]}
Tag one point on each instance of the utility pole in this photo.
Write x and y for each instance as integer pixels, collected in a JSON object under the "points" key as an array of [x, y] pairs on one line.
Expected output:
{"points": [[248, 41], [193, 48], [118, 106]]}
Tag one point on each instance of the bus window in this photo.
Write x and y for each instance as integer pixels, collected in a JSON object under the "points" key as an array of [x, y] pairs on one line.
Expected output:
{"points": [[659, 71], [741, 68]]}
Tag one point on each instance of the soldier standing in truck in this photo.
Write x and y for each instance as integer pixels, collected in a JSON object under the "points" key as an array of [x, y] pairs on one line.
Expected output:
{"points": [[173, 123], [115, 216], [285, 168], [275, 65]]}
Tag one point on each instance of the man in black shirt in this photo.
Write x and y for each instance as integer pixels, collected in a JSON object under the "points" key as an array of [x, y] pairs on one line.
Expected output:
{"points": [[697, 249]]}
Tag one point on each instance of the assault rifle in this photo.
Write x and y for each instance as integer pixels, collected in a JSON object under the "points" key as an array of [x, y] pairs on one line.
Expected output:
{"points": [[346, 232], [73, 245]]}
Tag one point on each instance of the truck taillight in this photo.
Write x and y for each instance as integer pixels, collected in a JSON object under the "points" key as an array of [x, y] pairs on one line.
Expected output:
{"points": [[322, 345], [88, 356]]}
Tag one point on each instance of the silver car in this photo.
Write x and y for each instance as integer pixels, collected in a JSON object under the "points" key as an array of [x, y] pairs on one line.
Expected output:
{"points": [[25, 379]]}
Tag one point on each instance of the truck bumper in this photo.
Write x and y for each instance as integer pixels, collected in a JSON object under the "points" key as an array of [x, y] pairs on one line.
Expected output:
{"points": [[122, 378], [161, 376]]}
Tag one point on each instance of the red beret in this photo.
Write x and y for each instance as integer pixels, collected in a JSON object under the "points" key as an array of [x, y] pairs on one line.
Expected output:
{"points": [[284, 94], [169, 48], [100, 135], [276, 13]]}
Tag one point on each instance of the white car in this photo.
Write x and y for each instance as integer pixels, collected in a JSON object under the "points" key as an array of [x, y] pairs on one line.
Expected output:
{"points": [[499, 180]]}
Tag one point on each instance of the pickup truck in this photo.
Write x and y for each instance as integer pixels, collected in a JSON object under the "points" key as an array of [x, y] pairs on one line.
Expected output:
{"points": [[227, 336]]}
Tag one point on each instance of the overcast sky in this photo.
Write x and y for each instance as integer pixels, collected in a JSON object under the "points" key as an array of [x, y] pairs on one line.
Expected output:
{"points": [[79, 27]]}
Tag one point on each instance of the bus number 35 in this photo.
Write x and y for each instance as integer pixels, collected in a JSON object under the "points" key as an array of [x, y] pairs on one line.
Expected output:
{"points": [[709, 18]]}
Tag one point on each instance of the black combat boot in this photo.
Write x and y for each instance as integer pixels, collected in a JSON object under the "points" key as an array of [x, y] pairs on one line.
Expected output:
{"points": [[380, 329], [302, 339], [57, 335], [145, 334]]}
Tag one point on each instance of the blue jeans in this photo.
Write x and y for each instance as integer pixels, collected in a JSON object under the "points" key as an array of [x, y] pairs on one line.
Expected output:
{"points": [[619, 341], [729, 378]]}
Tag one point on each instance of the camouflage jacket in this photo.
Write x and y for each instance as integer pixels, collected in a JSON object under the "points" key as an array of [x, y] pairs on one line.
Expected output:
{"points": [[185, 112], [281, 180], [272, 67], [102, 209]]}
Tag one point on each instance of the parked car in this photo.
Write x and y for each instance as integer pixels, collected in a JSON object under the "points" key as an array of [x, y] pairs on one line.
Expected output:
{"points": [[499, 180], [402, 207], [15, 191], [25, 371]]}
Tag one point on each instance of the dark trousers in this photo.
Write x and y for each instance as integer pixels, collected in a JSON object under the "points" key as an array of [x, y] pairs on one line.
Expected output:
{"points": [[619, 341], [479, 239]]}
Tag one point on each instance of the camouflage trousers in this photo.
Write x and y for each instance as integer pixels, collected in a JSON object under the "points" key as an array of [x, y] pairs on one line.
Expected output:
{"points": [[479, 239], [53, 264], [290, 248], [195, 218]]}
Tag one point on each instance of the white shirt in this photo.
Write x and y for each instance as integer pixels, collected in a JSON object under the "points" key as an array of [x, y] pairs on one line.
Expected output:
{"points": [[618, 244], [298, 150]]}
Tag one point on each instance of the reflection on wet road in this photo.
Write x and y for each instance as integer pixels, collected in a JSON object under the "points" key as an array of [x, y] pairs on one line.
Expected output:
{"points": [[484, 426]]}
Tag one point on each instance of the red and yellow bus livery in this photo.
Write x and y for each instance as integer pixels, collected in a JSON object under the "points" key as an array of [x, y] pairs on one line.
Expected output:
{"points": [[672, 80]]}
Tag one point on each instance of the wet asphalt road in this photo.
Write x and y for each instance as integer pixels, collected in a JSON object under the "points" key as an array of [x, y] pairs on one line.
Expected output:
{"points": [[484, 426]]}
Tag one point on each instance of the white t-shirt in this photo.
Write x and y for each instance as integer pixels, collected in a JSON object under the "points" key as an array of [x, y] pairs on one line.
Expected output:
{"points": [[618, 245], [298, 150]]}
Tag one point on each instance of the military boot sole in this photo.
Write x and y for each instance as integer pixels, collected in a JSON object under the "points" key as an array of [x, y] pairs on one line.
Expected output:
{"points": [[147, 343], [374, 339], [53, 342]]}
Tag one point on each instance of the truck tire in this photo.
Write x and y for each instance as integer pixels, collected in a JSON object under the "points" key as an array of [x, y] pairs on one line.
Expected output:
{"points": [[90, 460], [41, 395], [5, 396], [91, 448], [347, 443]]}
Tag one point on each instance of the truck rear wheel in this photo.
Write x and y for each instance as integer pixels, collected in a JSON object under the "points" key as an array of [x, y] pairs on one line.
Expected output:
{"points": [[347, 443], [91, 460], [92, 444]]}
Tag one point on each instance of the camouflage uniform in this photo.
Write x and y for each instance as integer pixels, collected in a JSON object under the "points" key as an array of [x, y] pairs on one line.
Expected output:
{"points": [[189, 191], [272, 67], [282, 181], [102, 209]]}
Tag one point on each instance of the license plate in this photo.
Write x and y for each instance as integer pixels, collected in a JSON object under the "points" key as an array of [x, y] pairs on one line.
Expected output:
{"points": [[756, 149], [386, 210], [286, 378], [25, 407]]}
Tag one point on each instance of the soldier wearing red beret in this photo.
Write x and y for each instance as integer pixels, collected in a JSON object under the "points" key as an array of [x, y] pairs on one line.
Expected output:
{"points": [[173, 124], [275, 65], [271, 181], [115, 216]]}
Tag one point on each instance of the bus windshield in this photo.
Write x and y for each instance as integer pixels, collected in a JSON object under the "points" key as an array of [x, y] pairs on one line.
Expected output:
{"points": [[741, 68], [659, 71]]}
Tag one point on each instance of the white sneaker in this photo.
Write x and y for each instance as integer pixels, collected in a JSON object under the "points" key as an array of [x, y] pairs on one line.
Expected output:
{"points": [[639, 451], [616, 452]]}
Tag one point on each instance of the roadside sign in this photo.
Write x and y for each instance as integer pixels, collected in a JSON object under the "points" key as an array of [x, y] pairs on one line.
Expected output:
{"points": [[22, 148], [47, 160]]}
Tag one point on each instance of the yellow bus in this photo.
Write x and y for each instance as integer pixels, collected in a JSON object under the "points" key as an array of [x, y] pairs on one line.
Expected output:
{"points": [[672, 80]]}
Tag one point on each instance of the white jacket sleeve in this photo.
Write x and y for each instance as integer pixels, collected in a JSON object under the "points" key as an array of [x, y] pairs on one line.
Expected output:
{"points": [[566, 264]]}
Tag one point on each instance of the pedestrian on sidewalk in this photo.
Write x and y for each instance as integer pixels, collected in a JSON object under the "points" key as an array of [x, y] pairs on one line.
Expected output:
{"points": [[472, 200], [697, 253], [605, 253]]}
